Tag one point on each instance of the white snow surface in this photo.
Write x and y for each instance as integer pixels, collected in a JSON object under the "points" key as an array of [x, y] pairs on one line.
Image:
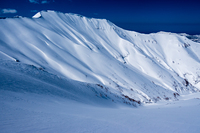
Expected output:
{"points": [[62, 71], [37, 15], [35, 101], [145, 68]]}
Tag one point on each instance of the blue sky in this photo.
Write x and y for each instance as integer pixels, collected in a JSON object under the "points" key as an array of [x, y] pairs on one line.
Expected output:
{"points": [[139, 15]]}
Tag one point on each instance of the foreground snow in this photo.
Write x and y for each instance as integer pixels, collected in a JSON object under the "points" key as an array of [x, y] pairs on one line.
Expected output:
{"points": [[33, 113], [33, 100]]}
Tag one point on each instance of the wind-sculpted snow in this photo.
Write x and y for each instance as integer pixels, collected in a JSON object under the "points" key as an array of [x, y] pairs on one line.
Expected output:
{"points": [[130, 65]]}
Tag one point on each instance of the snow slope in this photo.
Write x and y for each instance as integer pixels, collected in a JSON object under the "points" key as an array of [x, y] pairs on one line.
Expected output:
{"points": [[68, 73], [35, 101], [22, 78], [133, 66]]}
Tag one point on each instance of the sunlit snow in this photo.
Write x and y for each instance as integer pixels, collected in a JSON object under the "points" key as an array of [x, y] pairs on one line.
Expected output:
{"points": [[69, 73]]}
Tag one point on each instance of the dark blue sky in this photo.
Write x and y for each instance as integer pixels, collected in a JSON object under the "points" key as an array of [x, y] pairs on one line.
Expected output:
{"points": [[138, 15]]}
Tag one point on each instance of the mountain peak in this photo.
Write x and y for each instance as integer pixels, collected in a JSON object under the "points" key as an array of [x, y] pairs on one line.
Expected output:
{"points": [[52, 13], [37, 15], [138, 67]]}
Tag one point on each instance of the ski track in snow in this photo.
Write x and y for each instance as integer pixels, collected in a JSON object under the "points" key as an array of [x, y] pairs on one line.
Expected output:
{"points": [[68, 73]]}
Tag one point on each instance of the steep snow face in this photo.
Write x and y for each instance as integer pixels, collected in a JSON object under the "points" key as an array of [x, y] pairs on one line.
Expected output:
{"points": [[135, 66]]}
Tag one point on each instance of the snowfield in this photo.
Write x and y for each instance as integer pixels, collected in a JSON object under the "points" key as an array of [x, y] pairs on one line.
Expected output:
{"points": [[32, 100], [68, 73]]}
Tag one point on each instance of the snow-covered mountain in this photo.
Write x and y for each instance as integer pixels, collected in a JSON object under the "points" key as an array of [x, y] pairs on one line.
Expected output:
{"points": [[68, 73], [137, 68]]}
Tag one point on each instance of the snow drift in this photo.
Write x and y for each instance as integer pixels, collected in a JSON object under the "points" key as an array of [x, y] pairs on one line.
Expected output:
{"points": [[132, 66]]}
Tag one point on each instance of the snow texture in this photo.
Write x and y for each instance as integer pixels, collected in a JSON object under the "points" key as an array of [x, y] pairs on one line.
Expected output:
{"points": [[62, 71], [142, 67], [33, 100]]}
